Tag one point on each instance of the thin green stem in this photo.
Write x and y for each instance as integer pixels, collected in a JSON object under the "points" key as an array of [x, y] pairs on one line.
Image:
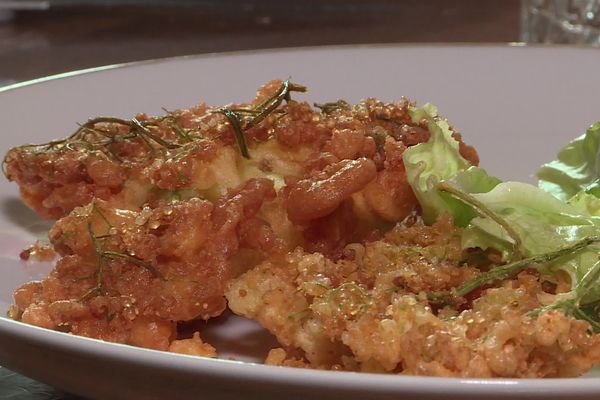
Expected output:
{"points": [[104, 138], [328, 108], [234, 121], [509, 270], [134, 260], [269, 105], [103, 255], [484, 211], [588, 280], [569, 307], [98, 211], [135, 124], [98, 288], [242, 119]]}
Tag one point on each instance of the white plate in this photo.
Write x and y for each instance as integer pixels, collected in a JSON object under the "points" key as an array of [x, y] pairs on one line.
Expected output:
{"points": [[516, 105]]}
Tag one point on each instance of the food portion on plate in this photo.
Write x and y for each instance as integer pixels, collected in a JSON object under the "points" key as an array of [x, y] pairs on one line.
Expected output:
{"points": [[364, 237]]}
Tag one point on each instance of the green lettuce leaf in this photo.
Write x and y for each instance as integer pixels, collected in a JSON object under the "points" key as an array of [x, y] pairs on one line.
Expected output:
{"points": [[541, 221], [472, 180], [577, 167], [542, 224], [586, 202], [531, 227], [431, 162]]}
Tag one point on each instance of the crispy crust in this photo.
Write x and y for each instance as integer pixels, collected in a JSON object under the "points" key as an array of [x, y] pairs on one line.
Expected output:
{"points": [[370, 313], [150, 160], [316, 235]]}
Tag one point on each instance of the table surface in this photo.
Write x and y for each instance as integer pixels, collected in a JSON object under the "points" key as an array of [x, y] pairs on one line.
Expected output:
{"points": [[61, 36]]}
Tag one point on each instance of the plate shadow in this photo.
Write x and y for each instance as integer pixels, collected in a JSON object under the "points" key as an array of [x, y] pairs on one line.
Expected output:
{"points": [[14, 211]]}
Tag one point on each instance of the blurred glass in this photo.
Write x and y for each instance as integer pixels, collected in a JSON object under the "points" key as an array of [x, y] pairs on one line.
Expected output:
{"points": [[560, 21]]}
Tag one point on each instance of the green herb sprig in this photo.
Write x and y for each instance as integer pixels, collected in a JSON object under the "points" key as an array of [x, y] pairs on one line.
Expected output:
{"points": [[242, 119], [101, 133], [102, 256], [328, 108], [571, 303], [509, 270], [484, 211]]}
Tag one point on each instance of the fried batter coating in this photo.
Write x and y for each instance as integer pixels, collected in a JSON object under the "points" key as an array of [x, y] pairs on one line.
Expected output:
{"points": [[129, 277], [193, 153], [193, 347], [301, 218], [160, 213], [369, 312], [309, 199]]}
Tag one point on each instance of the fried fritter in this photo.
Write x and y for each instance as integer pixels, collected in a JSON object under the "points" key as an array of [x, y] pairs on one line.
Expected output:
{"points": [[370, 312], [126, 276], [158, 214], [193, 153]]}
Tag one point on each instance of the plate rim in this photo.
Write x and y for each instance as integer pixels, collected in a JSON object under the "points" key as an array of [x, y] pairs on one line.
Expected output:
{"points": [[256, 372], [271, 50], [261, 372]]}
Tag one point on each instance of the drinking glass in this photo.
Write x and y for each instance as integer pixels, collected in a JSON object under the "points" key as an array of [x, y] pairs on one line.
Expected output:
{"points": [[560, 21]]}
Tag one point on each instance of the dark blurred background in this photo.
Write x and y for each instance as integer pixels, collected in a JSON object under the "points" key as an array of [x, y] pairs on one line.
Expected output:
{"points": [[39, 38]]}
